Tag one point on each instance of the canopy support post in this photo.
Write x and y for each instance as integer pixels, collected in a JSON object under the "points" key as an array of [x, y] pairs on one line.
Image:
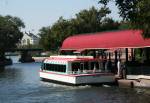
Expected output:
{"points": [[132, 54], [116, 58], [126, 51], [109, 56], [94, 53]]}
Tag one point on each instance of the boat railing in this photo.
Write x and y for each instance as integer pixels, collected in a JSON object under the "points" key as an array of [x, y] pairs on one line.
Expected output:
{"points": [[87, 71]]}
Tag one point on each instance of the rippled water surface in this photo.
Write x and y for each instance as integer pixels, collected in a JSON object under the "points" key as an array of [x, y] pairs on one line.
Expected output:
{"points": [[20, 83]]}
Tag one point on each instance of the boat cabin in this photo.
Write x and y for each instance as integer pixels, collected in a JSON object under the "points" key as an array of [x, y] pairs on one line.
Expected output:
{"points": [[75, 70], [73, 65]]}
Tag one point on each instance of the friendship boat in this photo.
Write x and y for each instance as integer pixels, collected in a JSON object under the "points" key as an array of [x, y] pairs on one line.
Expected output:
{"points": [[75, 70]]}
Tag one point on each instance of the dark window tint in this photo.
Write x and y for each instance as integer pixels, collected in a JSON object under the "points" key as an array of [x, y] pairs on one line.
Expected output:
{"points": [[75, 66], [55, 67]]}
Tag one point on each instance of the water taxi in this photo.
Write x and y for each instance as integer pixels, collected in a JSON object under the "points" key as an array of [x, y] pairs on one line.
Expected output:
{"points": [[75, 70]]}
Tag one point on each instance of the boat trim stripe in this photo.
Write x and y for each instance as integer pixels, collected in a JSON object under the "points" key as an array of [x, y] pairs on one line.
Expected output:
{"points": [[77, 75]]}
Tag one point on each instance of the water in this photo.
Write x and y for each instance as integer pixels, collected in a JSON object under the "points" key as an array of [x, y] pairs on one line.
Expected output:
{"points": [[20, 83]]}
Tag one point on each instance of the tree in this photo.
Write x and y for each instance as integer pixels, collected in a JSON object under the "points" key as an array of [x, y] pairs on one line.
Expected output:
{"points": [[124, 25], [52, 37], [10, 33], [46, 39], [17, 21], [109, 24], [86, 21], [137, 12]]}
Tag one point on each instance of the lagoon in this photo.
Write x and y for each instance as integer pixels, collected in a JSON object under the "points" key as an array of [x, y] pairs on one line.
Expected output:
{"points": [[20, 83]]}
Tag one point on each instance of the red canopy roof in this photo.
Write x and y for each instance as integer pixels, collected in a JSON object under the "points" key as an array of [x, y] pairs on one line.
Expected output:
{"points": [[106, 40]]}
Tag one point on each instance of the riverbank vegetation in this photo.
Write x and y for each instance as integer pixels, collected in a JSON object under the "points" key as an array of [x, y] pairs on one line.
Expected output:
{"points": [[86, 21], [136, 13], [10, 34]]}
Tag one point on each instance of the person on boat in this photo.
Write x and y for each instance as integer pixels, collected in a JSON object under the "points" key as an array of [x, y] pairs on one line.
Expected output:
{"points": [[104, 60], [108, 66], [94, 69], [119, 67], [123, 70]]}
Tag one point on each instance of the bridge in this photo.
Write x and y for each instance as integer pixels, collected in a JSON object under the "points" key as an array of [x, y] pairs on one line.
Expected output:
{"points": [[25, 53]]}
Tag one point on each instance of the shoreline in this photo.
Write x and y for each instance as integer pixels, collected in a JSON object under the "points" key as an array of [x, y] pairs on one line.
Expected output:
{"points": [[39, 59]]}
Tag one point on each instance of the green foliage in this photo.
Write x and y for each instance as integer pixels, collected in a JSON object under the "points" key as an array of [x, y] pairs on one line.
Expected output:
{"points": [[143, 17], [10, 33], [124, 25], [104, 2], [45, 39], [86, 21], [17, 21], [91, 20], [109, 24], [137, 12]]}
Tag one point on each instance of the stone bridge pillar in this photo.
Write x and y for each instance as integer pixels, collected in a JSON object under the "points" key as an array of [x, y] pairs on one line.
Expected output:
{"points": [[26, 57]]}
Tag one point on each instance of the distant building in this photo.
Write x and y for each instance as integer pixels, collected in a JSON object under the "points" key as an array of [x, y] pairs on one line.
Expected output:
{"points": [[29, 39]]}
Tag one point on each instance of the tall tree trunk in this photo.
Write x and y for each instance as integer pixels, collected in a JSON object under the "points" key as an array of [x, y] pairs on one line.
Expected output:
{"points": [[126, 50]]}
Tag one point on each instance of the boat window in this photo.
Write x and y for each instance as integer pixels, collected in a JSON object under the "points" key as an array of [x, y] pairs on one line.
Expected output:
{"points": [[86, 66], [81, 66], [75, 66], [55, 67], [94, 65]]}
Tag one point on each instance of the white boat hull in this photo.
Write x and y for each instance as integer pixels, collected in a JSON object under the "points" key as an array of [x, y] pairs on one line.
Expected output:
{"points": [[79, 79]]}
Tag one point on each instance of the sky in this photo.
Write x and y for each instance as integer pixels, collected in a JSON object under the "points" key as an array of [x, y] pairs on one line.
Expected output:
{"points": [[41, 13]]}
